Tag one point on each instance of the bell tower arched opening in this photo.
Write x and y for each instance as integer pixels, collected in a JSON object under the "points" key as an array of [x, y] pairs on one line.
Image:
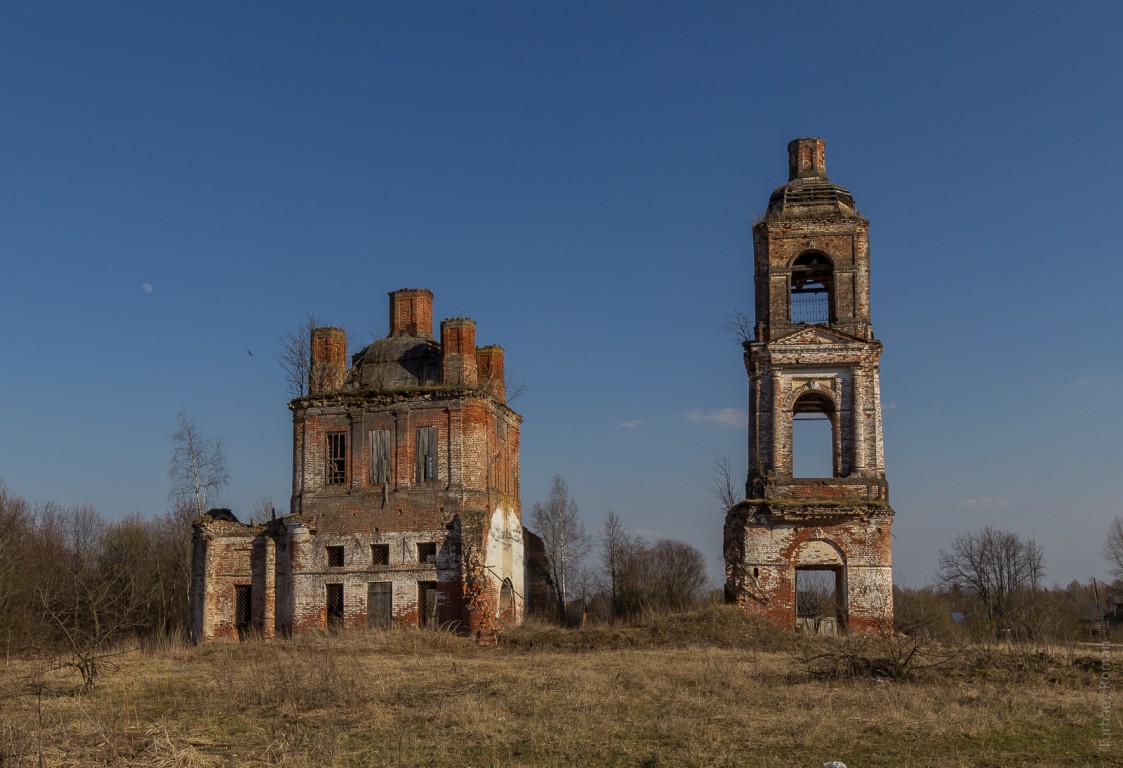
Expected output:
{"points": [[812, 289], [814, 436]]}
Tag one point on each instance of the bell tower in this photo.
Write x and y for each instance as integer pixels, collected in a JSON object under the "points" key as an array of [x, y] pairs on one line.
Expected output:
{"points": [[813, 552]]}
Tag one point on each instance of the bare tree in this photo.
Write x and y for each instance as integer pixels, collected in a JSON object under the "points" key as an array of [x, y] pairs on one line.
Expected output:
{"points": [[678, 573], [614, 542], [17, 567], [198, 465], [1113, 548], [739, 327], [996, 567], [563, 536], [295, 357], [93, 592], [666, 575], [724, 488], [263, 511], [513, 388]]}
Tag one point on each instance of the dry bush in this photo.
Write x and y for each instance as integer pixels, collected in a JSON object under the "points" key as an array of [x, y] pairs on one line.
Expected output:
{"points": [[881, 656]]}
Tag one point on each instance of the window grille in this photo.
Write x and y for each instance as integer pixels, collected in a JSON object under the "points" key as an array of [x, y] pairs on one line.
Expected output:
{"points": [[380, 604], [337, 458]]}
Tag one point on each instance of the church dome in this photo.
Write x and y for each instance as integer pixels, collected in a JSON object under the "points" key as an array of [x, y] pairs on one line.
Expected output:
{"points": [[397, 362]]}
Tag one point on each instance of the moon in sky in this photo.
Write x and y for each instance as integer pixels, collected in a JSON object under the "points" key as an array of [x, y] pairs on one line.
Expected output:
{"points": [[146, 287]]}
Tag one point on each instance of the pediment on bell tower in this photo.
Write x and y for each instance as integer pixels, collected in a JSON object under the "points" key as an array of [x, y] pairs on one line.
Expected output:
{"points": [[817, 335]]}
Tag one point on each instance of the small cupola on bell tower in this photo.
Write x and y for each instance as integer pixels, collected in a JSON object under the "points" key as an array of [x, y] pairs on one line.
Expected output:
{"points": [[811, 251], [813, 358], [807, 158]]}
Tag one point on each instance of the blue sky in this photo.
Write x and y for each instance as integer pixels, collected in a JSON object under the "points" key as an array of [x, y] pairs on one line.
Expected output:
{"points": [[581, 179]]}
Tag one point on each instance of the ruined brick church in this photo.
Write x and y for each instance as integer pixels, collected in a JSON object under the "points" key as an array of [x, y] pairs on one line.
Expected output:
{"points": [[813, 552], [405, 495]]}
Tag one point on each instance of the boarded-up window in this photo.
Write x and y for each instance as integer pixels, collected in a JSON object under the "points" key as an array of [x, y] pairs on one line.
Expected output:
{"points": [[243, 608], [379, 554], [335, 606], [425, 455], [427, 603], [379, 456], [337, 458], [335, 557], [380, 604], [427, 552]]}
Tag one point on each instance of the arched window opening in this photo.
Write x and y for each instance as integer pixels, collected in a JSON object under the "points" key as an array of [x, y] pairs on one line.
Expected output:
{"points": [[507, 601], [813, 436], [818, 600], [812, 289]]}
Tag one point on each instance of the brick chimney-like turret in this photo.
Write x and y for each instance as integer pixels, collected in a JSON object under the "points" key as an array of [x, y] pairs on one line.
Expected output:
{"points": [[458, 352], [329, 360], [489, 364], [411, 312], [807, 158]]}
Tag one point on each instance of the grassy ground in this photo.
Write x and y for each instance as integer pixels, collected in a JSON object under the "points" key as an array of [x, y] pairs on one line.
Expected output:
{"points": [[713, 689]]}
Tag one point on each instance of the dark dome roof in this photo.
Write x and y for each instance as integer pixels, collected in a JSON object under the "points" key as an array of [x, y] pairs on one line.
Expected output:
{"points": [[396, 362], [810, 196]]}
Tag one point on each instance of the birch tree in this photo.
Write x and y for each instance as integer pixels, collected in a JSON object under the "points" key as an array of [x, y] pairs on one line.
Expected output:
{"points": [[198, 465], [563, 536]]}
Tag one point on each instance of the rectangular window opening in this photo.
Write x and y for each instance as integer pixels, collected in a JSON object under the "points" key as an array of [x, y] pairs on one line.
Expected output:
{"points": [[243, 608], [335, 557], [380, 605], [427, 552], [427, 603], [337, 458], [335, 606], [379, 554]]}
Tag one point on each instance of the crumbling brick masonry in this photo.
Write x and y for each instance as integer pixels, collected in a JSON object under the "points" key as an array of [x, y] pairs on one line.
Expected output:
{"points": [[405, 495]]}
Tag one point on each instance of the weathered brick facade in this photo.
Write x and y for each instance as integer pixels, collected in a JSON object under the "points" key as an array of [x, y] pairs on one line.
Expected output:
{"points": [[813, 354], [405, 497]]}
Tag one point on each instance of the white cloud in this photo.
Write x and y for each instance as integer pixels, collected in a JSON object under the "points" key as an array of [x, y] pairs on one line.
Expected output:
{"points": [[630, 423], [993, 504], [889, 407], [729, 418], [146, 287]]}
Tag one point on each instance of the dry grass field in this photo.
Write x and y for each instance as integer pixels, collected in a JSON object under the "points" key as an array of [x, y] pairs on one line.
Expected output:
{"points": [[710, 689]]}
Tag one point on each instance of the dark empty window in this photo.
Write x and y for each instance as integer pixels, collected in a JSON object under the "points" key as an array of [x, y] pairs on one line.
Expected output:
{"points": [[380, 605], [335, 606], [243, 608], [379, 554], [335, 557], [812, 289], [427, 552], [379, 456], [425, 454], [337, 458]]}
